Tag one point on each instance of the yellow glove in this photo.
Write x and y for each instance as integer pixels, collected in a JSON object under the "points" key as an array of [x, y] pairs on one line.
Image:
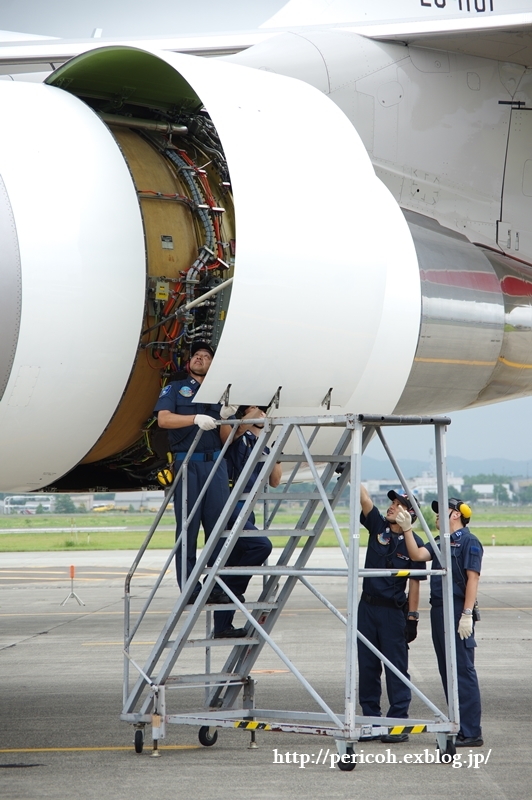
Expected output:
{"points": [[403, 519], [465, 626]]}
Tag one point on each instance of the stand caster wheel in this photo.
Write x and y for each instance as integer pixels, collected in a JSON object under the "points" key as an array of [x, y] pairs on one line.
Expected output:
{"points": [[347, 765], [450, 750], [448, 754], [205, 738], [139, 741]]}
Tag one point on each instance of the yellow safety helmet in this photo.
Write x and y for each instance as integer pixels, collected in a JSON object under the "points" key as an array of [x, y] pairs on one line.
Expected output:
{"points": [[457, 505], [165, 477]]}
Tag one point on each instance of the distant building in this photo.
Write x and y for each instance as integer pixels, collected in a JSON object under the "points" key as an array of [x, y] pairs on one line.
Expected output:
{"points": [[28, 503], [426, 484], [421, 487], [139, 501], [487, 493]]}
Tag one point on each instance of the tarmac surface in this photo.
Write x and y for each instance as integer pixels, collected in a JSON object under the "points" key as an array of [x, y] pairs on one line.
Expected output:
{"points": [[61, 695]]}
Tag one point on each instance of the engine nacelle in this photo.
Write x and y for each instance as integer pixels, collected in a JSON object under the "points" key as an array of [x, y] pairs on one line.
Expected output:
{"points": [[135, 183], [149, 200]]}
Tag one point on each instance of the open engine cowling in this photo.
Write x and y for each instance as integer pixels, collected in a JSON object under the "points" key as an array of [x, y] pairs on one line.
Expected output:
{"points": [[148, 200], [133, 184]]}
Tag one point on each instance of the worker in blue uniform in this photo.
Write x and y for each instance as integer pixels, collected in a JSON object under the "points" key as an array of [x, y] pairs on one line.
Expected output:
{"points": [[387, 617], [181, 416], [252, 550], [466, 560]]}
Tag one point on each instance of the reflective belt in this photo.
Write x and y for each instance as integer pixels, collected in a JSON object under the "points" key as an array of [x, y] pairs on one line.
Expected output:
{"points": [[380, 601]]}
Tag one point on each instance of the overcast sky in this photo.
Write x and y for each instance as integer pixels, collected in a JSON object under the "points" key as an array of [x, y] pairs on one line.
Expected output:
{"points": [[74, 19], [503, 430]]}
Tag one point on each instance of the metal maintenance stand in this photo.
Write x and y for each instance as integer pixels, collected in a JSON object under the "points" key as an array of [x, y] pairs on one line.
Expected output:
{"points": [[146, 702]]}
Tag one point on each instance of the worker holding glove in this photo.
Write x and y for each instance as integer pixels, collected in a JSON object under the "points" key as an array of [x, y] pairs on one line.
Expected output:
{"points": [[465, 626], [226, 412], [176, 411], [404, 520], [205, 422], [387, 617], [466, 560]]}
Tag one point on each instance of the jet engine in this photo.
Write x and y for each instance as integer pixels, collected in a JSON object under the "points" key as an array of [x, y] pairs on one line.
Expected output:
{"points": [[150, 200]]}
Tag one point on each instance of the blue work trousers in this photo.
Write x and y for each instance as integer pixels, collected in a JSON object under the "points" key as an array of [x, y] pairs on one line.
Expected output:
{"points": [[209, 510], [249, 551], [385, 629], [468, 689]]}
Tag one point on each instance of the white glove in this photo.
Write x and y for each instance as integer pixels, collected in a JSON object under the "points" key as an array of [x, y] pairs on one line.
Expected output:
{"points": [[403, 519], [465, 626], [205, 422], [228, 411]]}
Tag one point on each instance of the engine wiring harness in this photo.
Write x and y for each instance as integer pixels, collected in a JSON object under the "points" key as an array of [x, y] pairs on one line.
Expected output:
{"points": [[171, 324], [174, 327]]}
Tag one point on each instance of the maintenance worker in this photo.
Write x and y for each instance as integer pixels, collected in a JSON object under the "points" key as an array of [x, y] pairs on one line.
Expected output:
{"points": [[386, 616], [177, 412], [253, 550], [466, 560]]}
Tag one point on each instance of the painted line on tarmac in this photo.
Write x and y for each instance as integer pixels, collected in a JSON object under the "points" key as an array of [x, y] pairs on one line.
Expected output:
{"points": [[62, 530], [94, 749], [80, 613], [151, 644], [144, 572], [166, 613], [21, 578], [114, 644]]}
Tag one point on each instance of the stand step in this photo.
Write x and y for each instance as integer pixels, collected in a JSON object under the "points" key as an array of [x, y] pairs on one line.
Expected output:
{"points": [[202, 679], [218, 642], [288, 497], [233, 607], [271, 532]]}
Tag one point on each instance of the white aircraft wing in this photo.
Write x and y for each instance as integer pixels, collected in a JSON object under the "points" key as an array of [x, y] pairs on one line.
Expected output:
{"points": [[506, 37], [48, 54], [497, 29], [17, 36], [502, 37]]}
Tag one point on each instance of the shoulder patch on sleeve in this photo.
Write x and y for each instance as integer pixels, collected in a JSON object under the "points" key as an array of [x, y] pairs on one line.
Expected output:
{"points": [[474, 548], [165, 390]]}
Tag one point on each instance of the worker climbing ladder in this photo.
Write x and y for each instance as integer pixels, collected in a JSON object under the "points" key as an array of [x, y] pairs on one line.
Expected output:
{"points": [[229, 693]]}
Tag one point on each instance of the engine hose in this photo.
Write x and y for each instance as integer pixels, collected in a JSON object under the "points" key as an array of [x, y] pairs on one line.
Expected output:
{"points": [[204, 255], [197, 196]]}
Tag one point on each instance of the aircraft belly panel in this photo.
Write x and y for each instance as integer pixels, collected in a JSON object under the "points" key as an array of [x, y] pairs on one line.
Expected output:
{"points": [[434, 123], [516, 234], [452, 143]]}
